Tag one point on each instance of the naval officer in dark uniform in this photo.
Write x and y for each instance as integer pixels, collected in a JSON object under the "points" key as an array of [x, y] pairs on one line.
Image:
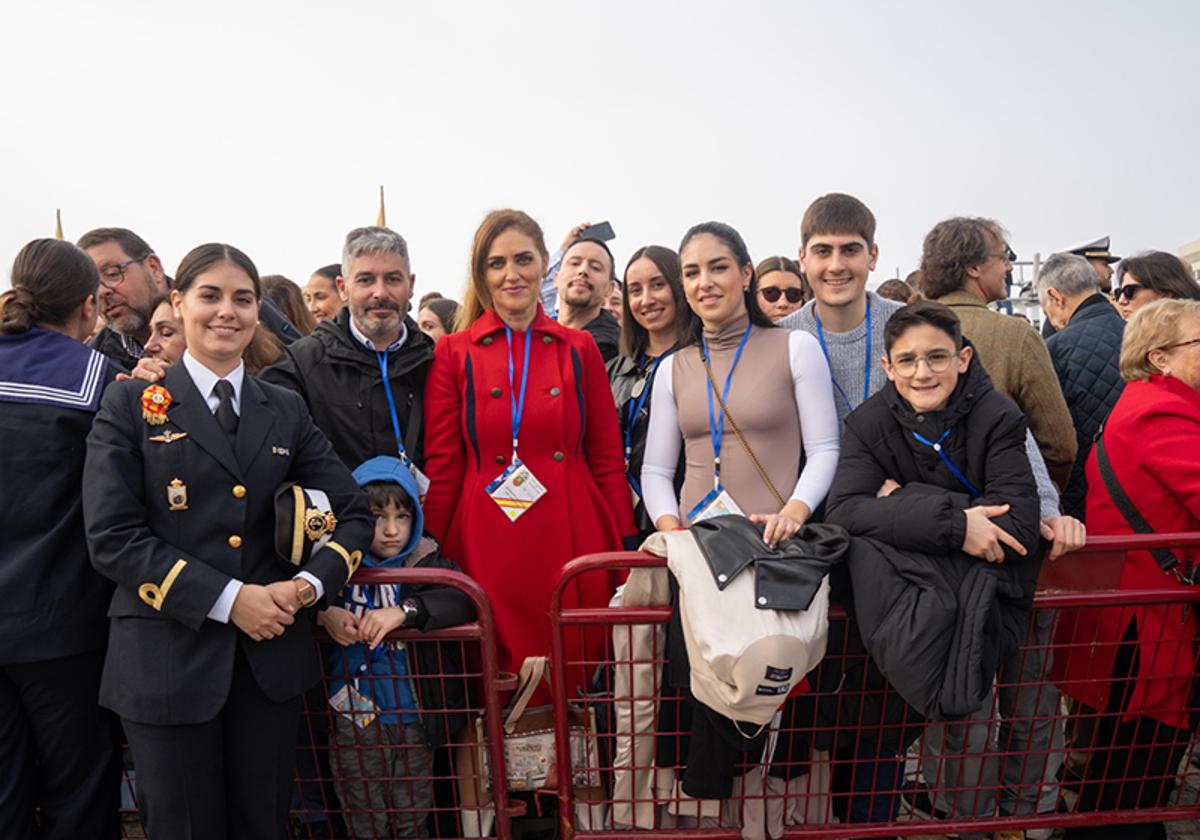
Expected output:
{"points": [[210, 645]]}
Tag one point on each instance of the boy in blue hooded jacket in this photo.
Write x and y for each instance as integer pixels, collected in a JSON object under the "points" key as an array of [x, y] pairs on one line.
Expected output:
{"points": [[385, 721]]}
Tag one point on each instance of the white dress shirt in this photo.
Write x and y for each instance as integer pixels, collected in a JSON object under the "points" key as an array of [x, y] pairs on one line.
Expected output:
{"points": [[206, 383]]}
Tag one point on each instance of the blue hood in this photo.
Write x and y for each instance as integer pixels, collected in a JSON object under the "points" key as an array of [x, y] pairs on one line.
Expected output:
{"points": [[388, 468]]}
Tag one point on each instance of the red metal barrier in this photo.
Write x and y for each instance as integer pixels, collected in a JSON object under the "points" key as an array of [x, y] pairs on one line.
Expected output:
{"points": [[422, 790], [847, 749]]}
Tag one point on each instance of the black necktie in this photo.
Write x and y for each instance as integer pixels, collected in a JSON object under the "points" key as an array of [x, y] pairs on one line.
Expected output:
{"points": [[227, 418]]}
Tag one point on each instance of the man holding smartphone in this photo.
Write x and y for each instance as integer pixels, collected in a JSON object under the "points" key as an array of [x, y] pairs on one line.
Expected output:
{"points": [[580, 279]]}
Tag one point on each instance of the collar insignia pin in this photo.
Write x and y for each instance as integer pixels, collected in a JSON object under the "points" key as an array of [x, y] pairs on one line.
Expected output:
{"points": [[168, 437]]}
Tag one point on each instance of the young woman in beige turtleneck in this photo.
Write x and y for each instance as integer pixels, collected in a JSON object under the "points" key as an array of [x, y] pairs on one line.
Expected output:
{"points": [[778, 392]]}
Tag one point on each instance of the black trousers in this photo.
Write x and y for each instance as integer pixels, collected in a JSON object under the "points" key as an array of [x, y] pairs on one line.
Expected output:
{"points": [[1133, 764], [57, 751], [229, 777]]}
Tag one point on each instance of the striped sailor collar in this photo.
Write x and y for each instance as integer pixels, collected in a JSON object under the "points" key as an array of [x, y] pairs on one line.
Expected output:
{"points": [[44, 367]]}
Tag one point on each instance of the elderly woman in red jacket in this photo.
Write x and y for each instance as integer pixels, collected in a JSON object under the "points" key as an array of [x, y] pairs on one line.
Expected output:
{"points": [[522, 443], [1137, 665]]}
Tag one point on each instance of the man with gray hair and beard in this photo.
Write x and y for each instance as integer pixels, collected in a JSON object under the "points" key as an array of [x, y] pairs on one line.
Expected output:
{"points": [[1086, 352], [362, 373]]}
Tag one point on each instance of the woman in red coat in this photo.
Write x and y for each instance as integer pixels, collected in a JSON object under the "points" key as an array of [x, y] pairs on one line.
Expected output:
{"points": [[515, 400], [1137, 665]]}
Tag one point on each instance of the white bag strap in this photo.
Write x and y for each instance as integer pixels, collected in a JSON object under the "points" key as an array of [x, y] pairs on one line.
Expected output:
{"points": [[533, 670]]}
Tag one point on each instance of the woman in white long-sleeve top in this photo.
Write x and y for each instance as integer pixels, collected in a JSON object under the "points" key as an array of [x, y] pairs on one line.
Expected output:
{"points": [[774, 386]]}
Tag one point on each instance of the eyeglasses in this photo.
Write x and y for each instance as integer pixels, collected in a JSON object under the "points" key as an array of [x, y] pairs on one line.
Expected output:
{"points": [[1128, 291], [1006, 255], [1187, 343], [771, 294], [115, 274], [937, 360]]}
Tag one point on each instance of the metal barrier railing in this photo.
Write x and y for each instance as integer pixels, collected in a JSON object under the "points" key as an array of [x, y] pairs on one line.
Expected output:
{"points": [[1013, 765]]}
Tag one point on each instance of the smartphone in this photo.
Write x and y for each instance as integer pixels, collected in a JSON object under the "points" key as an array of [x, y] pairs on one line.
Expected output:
{"points": [[601, 230]]}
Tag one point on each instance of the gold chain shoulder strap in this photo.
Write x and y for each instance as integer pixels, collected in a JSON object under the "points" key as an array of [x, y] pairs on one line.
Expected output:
{"points": [[738, 433]]}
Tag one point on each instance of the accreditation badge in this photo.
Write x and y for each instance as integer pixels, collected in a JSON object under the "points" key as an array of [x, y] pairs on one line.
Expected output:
{"points": [[350, 702], [421, 479], [515, 490], [718, 502], [633, 491]]}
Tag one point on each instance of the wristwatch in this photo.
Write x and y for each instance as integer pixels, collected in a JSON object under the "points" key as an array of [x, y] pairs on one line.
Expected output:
{"points": [[305, 591], [412, 609]]}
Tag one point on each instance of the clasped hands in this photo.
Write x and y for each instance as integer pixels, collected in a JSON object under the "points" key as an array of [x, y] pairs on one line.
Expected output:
{"points": [[263, 611], [347, 629]]}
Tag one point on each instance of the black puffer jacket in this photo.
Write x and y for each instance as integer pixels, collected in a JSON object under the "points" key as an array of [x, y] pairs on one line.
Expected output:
{"points": [[936, 621], [1087, 359], [341, 383]]}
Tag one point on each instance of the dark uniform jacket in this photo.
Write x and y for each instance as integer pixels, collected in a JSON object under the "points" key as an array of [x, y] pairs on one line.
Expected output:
{"points": [[1087, 358], [340, 381], [53, 600], [171, 554], [937, 622]]}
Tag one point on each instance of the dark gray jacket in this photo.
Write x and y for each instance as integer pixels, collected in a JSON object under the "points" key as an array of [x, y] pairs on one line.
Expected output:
{"points": [[1087, 358]]}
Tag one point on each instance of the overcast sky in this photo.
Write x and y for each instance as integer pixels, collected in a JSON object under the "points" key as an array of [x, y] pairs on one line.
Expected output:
{"points": [[272, 125]]}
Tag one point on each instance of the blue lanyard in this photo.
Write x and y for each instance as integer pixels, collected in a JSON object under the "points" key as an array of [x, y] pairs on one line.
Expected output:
{"points": [[937, 447], [381, 357], [866, 361], [518, 407], [635, 409], [716, 420]]}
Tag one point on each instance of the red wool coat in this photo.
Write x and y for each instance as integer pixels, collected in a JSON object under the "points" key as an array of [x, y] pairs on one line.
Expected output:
{"points": [[1153, 441], [571, 442]]}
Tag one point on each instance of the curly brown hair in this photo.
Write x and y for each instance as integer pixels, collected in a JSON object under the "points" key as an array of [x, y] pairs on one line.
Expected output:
{"points": [[951, 248]]}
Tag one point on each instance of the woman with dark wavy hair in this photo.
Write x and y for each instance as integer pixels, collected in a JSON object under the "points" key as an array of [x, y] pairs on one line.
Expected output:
{"points": [[58, 746], [1150, 276]]}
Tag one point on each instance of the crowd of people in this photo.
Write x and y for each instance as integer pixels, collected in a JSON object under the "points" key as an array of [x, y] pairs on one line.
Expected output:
{"points": [[196, 465]]}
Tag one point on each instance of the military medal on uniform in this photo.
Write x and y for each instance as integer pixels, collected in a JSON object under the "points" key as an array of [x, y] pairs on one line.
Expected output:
{"points": [[516, 489], [177, 495], [155, 402]]}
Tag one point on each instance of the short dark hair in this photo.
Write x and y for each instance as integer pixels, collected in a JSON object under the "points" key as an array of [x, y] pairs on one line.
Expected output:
{"points": [[203, 257], [330, 272], [922, 313], [612, 263], [838, 213], [951, 248], [133, 245], [1162, 273], [382, 493], [741, 254]]}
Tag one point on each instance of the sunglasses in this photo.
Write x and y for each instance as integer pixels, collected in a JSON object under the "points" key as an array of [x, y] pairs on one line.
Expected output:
{"points": [[1128, 291], [771, 294]]}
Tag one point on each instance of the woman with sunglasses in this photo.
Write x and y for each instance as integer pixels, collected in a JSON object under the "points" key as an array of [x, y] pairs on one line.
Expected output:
{"points": [[655, 315], [1133, 668], [1151, 276], [780, 287]]}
